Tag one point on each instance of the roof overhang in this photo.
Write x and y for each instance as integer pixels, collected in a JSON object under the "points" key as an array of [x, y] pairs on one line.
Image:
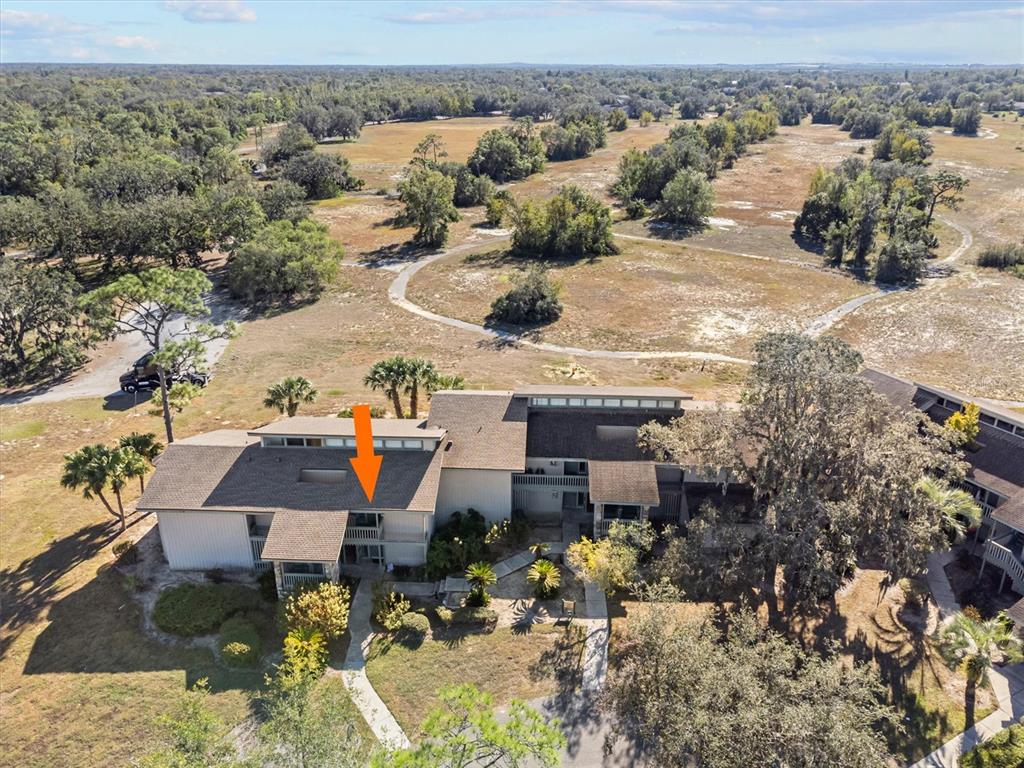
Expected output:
{"points": [[624, 482], [305, 536]]}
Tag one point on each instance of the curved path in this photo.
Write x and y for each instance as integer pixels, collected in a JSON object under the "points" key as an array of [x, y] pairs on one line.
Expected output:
{"points": [[818, 325]]}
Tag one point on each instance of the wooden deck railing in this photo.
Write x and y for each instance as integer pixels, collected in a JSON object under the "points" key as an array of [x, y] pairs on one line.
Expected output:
{"points": [[1002, 557], [258, 563]]}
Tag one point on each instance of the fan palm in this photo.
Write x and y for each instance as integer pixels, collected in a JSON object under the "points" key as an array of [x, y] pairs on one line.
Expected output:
{"points": [[389, 376], [93, 468], [545, 577], [480, 576], [955, 505], [289, 393], [973, 644], [418, 373], [144, 444]]}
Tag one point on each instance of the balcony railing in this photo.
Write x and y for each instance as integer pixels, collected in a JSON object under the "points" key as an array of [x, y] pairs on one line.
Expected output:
{"points": [[603, 525], [292, 580], [1002, 557], [258, 563], [356, 534], [551, 481]]}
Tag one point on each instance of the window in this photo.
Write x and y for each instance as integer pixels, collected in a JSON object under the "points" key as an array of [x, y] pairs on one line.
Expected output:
{"points": [[273, 442], [334, 442], [314, 442], [1005, 425], [539, 401], [594, 402], [576, 401], [666, 403], [612, 402], [986, 419], [377, 442], [322, 476], [630, 403], [294, 441], [413, 444], [316, 569], [557, 401], [364, 519], [350, 442], [392, 443], [648, 403]]}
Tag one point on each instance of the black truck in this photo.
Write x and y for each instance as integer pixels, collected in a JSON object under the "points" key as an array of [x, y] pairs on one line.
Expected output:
{"points": [[143, 376]]}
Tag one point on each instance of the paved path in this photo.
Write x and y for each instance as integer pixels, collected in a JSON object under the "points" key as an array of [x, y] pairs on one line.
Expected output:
{"points": [[1008, 686], [938, 583], [353, 672]]}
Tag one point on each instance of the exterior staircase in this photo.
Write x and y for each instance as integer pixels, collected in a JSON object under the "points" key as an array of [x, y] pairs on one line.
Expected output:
{"points": [[1001, 557]]}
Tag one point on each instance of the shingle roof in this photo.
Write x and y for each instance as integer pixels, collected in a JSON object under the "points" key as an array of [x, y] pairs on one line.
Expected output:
{"points": [[899, 392], [305, 536], [1016, 612], [486, 430], [996, 459], [333, 426], [1011, 511], [542, 390], [608, 435], [257, 479], [626, 482]]}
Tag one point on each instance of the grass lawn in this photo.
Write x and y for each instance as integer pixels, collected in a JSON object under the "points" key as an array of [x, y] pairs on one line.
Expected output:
{"points": [[507, 663]]}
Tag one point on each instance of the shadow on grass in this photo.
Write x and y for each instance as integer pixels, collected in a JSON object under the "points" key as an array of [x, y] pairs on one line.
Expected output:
{"points": [[393, 255]]}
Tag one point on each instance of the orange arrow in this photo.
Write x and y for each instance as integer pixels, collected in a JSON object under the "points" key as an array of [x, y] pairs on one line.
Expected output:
{"points": [[366, 463]]}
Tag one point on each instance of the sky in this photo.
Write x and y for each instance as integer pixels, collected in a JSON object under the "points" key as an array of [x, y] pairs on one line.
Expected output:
{"points": [[632, 32]]}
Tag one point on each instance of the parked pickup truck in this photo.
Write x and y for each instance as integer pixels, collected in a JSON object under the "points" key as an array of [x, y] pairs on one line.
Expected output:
{"points": [[143, 376]]}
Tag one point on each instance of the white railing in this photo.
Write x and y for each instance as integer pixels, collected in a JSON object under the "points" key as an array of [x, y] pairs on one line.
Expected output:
{"points": [[563, 481], [292, 580], [603, 526], [258, 563], [1002, 557], [396, 533], [359, 533]]}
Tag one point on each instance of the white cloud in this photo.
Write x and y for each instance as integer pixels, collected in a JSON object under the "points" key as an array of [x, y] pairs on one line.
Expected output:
{"points": [[131, 42], [30, 25], [211, 11]]}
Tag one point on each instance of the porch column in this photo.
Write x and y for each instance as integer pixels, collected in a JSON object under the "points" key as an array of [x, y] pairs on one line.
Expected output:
{"points": [[279, 577]]}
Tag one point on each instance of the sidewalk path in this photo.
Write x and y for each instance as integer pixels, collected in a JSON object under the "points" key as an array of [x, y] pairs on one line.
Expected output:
{"points": [[1008, 686], [353, 672]]}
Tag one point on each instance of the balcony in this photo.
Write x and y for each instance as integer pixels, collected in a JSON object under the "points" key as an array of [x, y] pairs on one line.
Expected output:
{"points": [[361, 534], [1002, 557], [256, 542], [290, 581], [565, 482]]}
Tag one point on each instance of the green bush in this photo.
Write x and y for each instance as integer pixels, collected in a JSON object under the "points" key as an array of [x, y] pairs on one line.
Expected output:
{"points": [[268, 586], [414, 624], [126, 553], [199, 609], [1004, 750], [239, 642], [456, 544], [485, 617], [445, 615], [389, 607], [323, 607], [532, 300]]}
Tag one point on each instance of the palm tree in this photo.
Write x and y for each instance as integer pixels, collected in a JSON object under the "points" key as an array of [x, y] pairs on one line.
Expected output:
{"points": [[146, 445], [444, 381], [973, 644], [418, 373], [389, 376], [545, 577], [539, 549], [90, 469], [123, 465], [480, 576], [289, 393], [955, 505]]}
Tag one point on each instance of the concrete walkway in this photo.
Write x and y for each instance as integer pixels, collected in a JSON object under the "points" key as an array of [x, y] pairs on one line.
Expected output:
{"points": [[1008, 686], [353, 672], [938, 584], [595, 651]]}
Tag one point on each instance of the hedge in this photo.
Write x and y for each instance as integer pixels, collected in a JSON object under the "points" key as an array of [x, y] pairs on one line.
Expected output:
{"points": [[239, 642], [1004, 750], [486, 617], [199, 609], [415, 624]]}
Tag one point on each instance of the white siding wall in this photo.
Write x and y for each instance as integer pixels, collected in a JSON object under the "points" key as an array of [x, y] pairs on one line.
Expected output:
{"points": [[543, 505], [405, 554], [487, 491], [404, 526], [195, 541]]}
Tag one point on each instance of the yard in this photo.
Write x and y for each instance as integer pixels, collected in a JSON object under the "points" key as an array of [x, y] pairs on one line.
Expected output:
{"points": [[651, 296]]}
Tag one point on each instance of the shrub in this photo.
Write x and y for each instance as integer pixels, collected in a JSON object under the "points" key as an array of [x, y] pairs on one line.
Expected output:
{"points": [[688, 199], [239, 642], [572, 224], [268, 586], [1004, 750], [480, 575], [444, 615], [414, 624], [126, 553], [305, 655], [389, 607], [199, 609], [215, 575], [497, 206], [323, 607], [533, 300], [1002, 256], [636, 209], [486, 617], [546, 578], [507, 154], [456, 544], [321, 176], [965, 424]]}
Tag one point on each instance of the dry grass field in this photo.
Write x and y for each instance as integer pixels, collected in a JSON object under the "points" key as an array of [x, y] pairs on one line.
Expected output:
{"points": [[650, 297]]}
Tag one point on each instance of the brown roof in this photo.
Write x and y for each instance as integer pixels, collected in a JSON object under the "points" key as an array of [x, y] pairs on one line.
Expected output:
{"points": [[1016, 612], [486, 430], [996, 458], [333, 426], [899, 392], [1011, 511], [625, 482], [542, 390], [305, 536], [256, 479]]}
